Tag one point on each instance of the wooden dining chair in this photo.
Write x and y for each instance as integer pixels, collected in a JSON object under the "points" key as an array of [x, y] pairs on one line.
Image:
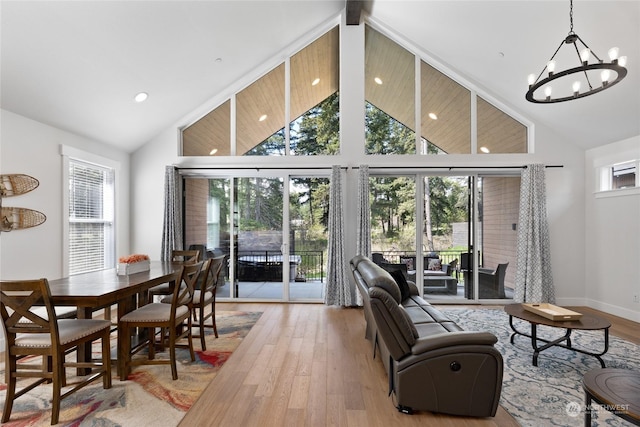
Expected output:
{"points": [[204, 295], [30, 332], [185, 257], [168, 318]]}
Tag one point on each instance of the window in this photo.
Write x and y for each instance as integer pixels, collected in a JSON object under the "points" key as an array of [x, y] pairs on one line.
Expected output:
{"points": [[260, 110], [91, 217], [619, 176], [623, 176], [390, 96]]}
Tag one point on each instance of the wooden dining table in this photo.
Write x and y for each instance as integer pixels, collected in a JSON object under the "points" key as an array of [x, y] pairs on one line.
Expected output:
{"points": [[97, 290]]}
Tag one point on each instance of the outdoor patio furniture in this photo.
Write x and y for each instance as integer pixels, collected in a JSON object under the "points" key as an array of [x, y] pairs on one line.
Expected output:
{"points": [[491, 282], [267, 268]]}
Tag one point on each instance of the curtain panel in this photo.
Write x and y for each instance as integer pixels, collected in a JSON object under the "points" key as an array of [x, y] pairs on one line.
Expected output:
{"points": [[534, 281], [339, 291], [172, 237], [363, 244]]}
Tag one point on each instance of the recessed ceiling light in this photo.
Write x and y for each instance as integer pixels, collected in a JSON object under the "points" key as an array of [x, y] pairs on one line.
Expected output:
{"points": [[218, 59], [262, 118], [485, 150], [316, 81], [433, 116], [212, 152], [378, 80], [141, 97]]}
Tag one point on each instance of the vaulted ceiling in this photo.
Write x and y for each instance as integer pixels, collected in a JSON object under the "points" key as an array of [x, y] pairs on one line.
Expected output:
{"points": [[78, 65]]}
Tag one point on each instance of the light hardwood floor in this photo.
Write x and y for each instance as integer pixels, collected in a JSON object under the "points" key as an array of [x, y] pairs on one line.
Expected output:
{"points": [[308, 364]]}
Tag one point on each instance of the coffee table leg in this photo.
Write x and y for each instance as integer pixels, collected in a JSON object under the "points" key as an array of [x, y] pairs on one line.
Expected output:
{"points": [[587, 409], [534, 341]]}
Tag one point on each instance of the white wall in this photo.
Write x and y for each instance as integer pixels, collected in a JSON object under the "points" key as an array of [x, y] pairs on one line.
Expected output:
{"points": [[33, 148], [612, 235]]}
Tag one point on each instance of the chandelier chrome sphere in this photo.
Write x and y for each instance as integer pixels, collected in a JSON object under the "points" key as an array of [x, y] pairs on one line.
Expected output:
{"points": [[584, 76]]}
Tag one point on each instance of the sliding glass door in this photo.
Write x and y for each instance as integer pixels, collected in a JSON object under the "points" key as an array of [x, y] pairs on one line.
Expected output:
{"points": [[454, 236], [271, 229]]}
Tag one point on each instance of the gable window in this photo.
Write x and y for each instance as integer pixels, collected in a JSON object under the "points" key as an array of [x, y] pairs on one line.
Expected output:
{"points": [[446, 109], [91, 237], [262, 110], [390, 96]]}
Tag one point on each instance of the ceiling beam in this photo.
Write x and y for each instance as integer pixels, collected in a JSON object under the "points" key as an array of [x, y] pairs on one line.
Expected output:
{"points": [[354, 11]]}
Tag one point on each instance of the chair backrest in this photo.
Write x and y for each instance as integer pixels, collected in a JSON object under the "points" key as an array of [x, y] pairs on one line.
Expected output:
{"points": [[190, 256], [210, 275], [185, 285], [501, 271], [18, 299]]}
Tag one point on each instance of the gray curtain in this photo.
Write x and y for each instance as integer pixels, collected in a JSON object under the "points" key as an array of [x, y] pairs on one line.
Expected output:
{"points": [[363, 244], [172, 228], [338, 291], [534, 281]]}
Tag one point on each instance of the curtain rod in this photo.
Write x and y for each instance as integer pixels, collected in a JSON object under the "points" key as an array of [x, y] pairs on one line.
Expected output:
{"points": [[455, 167], [258, 168], [358, 167]]}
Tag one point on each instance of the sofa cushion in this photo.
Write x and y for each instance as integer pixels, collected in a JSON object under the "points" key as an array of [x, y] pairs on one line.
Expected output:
{"points": [[398, 276], [374, 275]]}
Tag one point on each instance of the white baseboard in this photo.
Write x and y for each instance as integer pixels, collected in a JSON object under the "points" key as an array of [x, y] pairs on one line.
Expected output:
{"points": [[623, 312]]}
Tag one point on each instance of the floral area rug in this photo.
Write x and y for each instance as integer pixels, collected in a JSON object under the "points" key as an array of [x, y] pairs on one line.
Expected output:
{"points": [[550, 394], [150, 397]]}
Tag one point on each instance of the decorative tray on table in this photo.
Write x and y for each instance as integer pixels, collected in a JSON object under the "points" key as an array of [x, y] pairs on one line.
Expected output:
{"points": [[552, 312]]}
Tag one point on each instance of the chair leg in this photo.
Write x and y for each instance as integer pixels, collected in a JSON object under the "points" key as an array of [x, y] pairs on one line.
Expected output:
{"points": [[11, 388], [203, 345], [124, 351], [152, 341], [213, 318], [190, 339], [58, 375], [106, 359], [172, 352]]}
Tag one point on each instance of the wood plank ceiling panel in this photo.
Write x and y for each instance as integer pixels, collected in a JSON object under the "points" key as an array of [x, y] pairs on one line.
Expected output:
{"points": [[451, 103], [319, 60], [499, 132], [212, 132], [395, 66]]}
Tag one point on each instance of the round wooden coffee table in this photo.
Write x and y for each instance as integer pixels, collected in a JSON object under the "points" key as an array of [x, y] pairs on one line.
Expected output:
{"points": [[586, 322], [617, 390]]}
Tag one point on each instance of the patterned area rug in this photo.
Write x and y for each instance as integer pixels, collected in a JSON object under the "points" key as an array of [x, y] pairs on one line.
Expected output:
{"points": [[150, 397], [550, 394]]}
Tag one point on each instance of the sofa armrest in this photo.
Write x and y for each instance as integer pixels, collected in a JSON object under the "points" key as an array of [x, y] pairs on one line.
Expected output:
{"points": [[433, 342]]}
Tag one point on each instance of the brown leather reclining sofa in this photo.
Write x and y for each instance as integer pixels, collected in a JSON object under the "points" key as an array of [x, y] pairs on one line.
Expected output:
{"points": [[432, 364]]}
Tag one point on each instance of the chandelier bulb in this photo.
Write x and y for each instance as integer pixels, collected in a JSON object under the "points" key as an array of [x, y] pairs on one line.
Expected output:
{"points": [[613, 53], [547, 92], [622, 61], [551, 66], [576, 87], [605, 77], [584, 55], [531, 79]]}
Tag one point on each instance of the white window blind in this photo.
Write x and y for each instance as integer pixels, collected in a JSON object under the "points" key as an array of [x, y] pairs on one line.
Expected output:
{"points": [[91, 214]]}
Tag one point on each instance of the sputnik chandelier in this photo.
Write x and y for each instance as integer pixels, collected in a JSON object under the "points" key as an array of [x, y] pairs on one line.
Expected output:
{"points": [[586, 80]]}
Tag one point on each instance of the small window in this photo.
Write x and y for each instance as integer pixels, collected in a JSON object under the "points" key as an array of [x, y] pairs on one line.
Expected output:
{"points": [[623, 176]]}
